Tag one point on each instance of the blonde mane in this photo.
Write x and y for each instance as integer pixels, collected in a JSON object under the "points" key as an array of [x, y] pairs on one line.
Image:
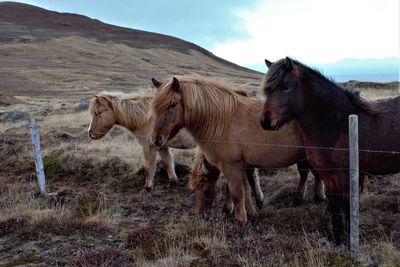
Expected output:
{"points": [[208, 103], [130, 110]]}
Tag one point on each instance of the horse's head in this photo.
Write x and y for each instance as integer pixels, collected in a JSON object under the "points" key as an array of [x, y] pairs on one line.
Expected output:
{"points": [[204, 195], [281, 88], [168, 111], [103, 118], [202, 181]]}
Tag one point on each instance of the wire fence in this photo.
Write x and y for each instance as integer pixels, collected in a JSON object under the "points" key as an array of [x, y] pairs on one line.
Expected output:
{"points": [[83, 139]]}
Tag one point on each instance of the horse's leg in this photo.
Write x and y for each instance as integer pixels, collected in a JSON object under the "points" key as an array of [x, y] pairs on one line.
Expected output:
{"points": [[319, 188], [168, 163], [227, 209], [254, 181], [303, 168], [250, 208], [150, 154], [235, 176], [335, 210]]}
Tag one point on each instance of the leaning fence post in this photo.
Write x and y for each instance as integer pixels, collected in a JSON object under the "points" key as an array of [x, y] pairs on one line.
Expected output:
{"points": [[354, 176], [37, 154]]}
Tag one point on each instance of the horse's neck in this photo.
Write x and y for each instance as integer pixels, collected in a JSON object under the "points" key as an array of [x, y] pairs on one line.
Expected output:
{"points": [[122, 118], [325, 110], [217, 129], [198, 135]]}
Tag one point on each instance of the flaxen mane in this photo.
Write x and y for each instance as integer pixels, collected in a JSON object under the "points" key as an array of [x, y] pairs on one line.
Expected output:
{"points": [[206, 102], [132, 110]]}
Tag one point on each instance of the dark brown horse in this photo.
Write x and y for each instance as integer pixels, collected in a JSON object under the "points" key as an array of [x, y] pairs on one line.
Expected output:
{"points": [[320, 108]]}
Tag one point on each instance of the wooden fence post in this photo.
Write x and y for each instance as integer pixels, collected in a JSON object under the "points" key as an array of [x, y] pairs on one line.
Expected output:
{"points": [[37, 154], [354, 177]]}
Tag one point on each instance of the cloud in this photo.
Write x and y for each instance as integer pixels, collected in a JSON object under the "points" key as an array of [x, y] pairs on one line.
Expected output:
{"points": [[315, 31]]}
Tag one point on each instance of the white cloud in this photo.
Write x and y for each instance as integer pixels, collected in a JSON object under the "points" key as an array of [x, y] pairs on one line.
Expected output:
{"points": [[316, 31]]}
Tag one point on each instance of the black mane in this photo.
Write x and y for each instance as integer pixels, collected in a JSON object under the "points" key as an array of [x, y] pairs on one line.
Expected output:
{"points": [[314, 77]]}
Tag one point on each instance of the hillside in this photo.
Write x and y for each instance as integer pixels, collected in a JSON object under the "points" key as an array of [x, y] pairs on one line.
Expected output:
{"points": [[46, 53]]}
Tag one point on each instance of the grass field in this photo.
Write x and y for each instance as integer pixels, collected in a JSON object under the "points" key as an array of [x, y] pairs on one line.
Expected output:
{"points": [[98, 215]]}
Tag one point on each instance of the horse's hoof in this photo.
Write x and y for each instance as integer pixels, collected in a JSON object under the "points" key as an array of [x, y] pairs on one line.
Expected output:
{"points": [[148, 188], [298, 201], [319, 199], [227, 211], [203, 215], [173, 182], [240, 227], [259, 204], [252, 218]]}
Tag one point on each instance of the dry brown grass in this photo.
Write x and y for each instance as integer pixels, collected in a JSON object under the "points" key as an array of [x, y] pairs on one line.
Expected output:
{"points": [[99, 216]]}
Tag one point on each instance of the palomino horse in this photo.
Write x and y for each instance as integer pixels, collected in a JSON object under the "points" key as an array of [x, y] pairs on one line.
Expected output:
{"points": [[225, 126], [320, 108], [132, 111]]}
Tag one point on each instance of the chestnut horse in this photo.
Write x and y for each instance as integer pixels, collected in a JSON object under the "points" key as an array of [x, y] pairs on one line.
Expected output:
{"points": [[132, 111], [320, 108], [225, 126]]}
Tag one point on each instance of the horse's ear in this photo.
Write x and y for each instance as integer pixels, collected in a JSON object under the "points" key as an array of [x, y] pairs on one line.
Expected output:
{"points": [[156, 83], [104, 100], [175, 85], [268, 63], [288, 64]]}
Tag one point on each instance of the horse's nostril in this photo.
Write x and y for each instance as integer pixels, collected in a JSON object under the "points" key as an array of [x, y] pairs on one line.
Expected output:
{"points": [[91, 135], [265, 123]]}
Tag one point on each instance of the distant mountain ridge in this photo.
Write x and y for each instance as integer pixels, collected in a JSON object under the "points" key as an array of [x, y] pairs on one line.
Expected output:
{"points": [[386, 68]]}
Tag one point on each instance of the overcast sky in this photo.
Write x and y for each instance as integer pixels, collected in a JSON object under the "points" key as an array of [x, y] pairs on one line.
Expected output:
{"points": [[246, 32]]}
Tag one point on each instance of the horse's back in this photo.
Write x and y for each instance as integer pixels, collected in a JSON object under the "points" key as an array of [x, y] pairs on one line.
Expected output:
{"points": [[380, 138]]}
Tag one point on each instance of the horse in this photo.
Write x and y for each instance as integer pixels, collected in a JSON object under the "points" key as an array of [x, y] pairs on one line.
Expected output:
{"points": [[132, 111], [320, 109], [225, 126]]}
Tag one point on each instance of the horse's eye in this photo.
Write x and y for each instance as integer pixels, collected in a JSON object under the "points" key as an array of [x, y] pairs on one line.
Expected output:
{"points": [[286, 88], [97, 113], [172, 105]]}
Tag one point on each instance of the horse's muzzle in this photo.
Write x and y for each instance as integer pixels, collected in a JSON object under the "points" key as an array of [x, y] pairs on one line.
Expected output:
{"points": [[92, 135], [266, 124]]}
